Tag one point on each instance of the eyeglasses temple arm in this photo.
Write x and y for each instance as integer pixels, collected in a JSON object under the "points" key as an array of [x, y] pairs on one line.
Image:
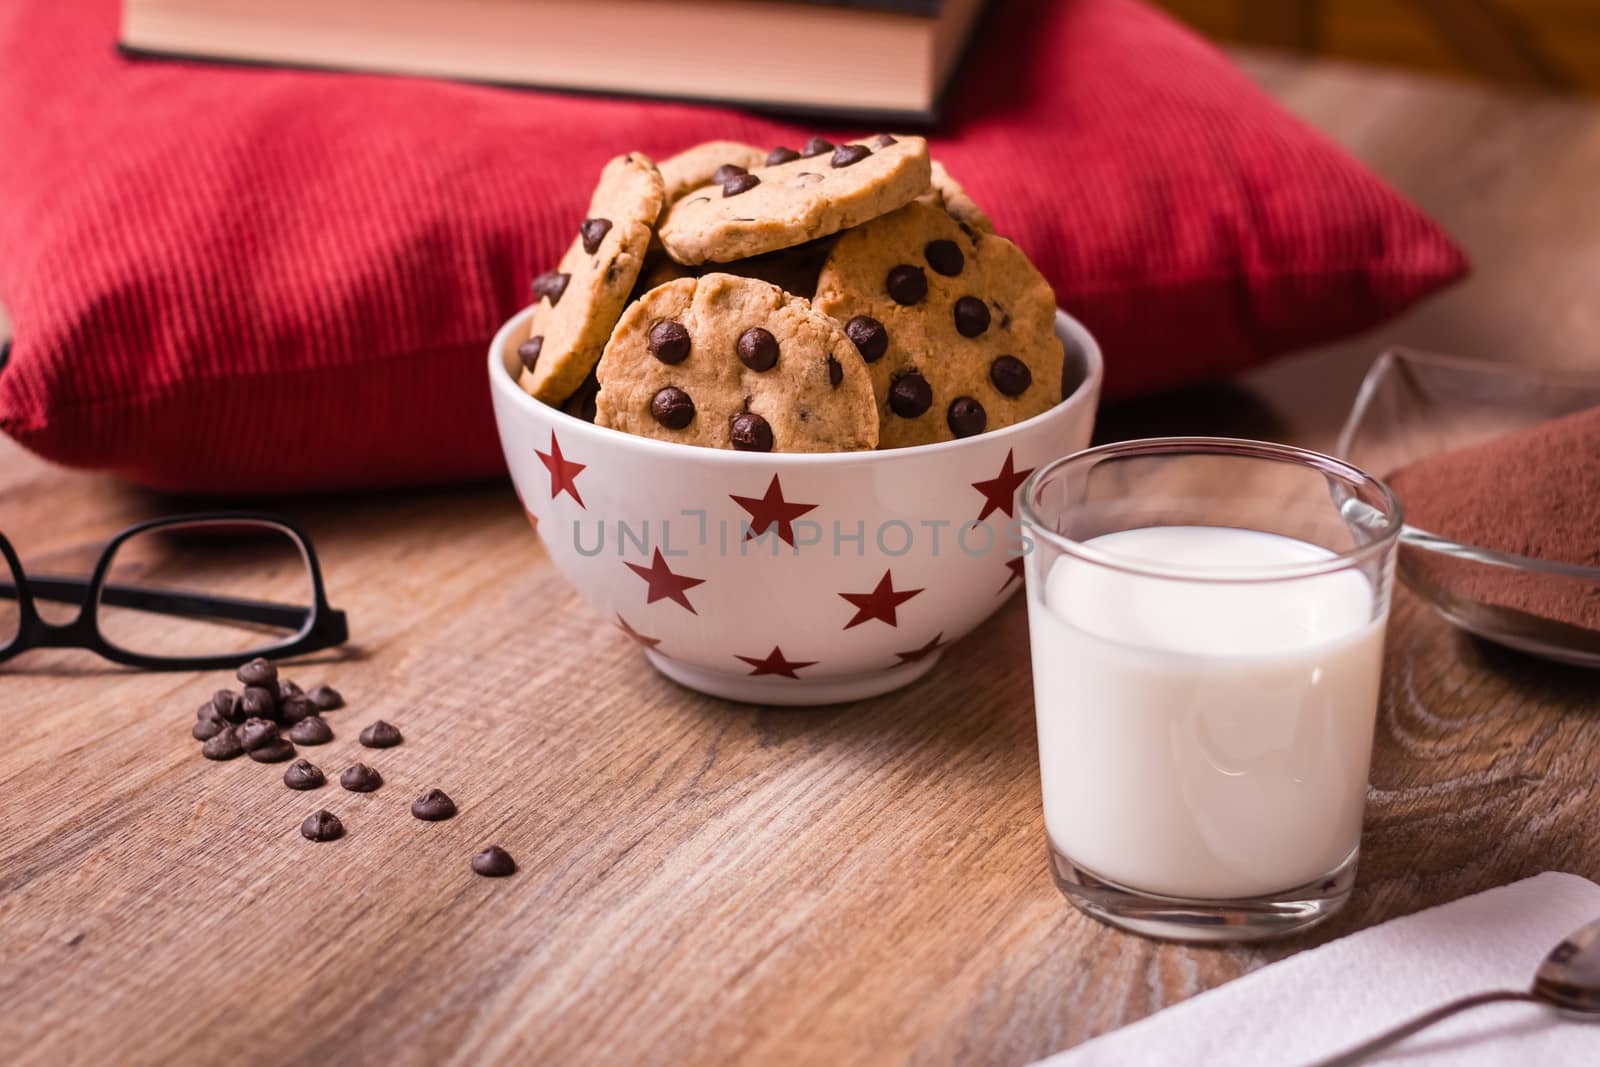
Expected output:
{"points": [[164, 602]]}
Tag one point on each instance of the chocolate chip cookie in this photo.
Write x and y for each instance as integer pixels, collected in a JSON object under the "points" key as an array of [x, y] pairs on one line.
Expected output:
{"points": [[710, 163], [729, 362], [957, 328], [948, 194], [578, 303], [799, 196]]}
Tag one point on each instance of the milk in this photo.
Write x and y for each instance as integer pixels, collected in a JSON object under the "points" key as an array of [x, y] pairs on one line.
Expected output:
{"points": [[1204, 740]]}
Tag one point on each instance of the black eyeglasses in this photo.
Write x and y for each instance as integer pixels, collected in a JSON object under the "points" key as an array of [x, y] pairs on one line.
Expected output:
{"points": [[191, 592]]}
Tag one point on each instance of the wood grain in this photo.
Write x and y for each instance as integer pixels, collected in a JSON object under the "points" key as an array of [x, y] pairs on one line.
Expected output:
{"points": [[707, 882]]}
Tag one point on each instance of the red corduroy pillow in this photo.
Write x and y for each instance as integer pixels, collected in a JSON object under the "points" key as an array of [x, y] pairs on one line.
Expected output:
{"points": [[227, 279]]}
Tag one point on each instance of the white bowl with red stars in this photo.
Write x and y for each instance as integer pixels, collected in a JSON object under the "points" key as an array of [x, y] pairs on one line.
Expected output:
{"points": [[784, 578]]}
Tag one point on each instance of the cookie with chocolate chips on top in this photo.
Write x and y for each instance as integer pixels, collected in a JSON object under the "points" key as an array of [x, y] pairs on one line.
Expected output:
{"points": [[578, 303], [957, 328], [728, 362], [711, 163], [799, 196]]}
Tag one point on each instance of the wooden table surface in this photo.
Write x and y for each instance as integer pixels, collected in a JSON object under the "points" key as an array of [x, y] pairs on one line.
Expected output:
{"points": [[702, 881]]}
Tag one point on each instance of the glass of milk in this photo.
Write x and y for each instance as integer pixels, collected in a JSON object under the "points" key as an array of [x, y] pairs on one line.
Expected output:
{"points": [[1206, 619]]}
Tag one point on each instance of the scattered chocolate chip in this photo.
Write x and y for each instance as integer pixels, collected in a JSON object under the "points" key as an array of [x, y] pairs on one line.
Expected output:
{"points": [[322, 825], [257, 732], [303, 774], [883, 140], [359, 778], [1010, 375], [739, 183], [311, 730], [847, 154], [288, 687], [781, 155], [593, 231], [910, 395], [906, 284], [433, 806], [944, 256], [750, 432], [835, 372], [273, 752], [325, 698], [528, 352], [805, 178], [226, 701], [757, 349], [727, 172], [206, 729], [208, 710], [224, 745], [381, 734], [295, 708], [258, 702], [972, 316], [669, 341], [550, 285], [258, 672], [494, 862], [672, 408], [816, 147], [871, 339], [966, 417]]}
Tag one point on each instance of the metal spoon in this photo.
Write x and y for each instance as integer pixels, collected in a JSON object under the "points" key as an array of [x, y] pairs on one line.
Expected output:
{"points": [[1568, 979]]}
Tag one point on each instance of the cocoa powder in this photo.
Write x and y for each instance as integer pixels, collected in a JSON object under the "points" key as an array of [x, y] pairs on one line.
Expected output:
{"points": [[1533, 493]]}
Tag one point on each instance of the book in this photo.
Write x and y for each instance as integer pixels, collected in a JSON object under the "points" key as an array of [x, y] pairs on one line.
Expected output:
{"points": [[877, 59]]}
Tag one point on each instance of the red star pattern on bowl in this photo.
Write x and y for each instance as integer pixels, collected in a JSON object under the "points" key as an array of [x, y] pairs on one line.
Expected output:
{"points": [[771, 508], [879, 604], [775, 663], [563, 472], [635, 635], [663, 584], [999, 492]]}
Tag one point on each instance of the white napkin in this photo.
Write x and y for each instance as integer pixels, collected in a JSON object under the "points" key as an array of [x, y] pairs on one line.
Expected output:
{"points": [[1326, 999]]}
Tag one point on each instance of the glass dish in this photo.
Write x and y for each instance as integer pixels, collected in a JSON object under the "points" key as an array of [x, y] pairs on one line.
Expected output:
{"points": [[1413, 404]]}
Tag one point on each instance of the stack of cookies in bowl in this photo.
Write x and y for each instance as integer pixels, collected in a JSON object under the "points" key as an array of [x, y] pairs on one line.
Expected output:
{"points": [[770, 413], [825, 298]]}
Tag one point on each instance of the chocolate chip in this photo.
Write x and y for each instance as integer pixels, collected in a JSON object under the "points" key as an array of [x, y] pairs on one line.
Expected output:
{"points": [[906, 284], [311, 730], [322, 826], [727, 172], [326, 698], [966, 417], [883, 140], [297, 707], [433, 806], [259, 702], [528, 352], [669, 341], [257, 732], [494, 862], [380, 735], [288, 688], [944, 257], [740, 183], [208, 710], [847, 154], [910, 395], [1010, 375], [750, 432], [275, 751], [757, 349], [805, 178], [972, 316], [258, 672], [303, 774], [224, 745], [816, 147], [835, 372], [672, 407], [206, 729], [781, 155], [359, 778], [226, 701], [550, 285], [593, 231], [871, 339]]}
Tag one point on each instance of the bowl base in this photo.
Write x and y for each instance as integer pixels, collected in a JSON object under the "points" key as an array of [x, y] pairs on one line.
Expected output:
{"points": [[791, 692]]}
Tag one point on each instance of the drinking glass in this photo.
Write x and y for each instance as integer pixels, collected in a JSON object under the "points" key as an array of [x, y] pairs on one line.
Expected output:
{"points": [[1207, 620]]}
